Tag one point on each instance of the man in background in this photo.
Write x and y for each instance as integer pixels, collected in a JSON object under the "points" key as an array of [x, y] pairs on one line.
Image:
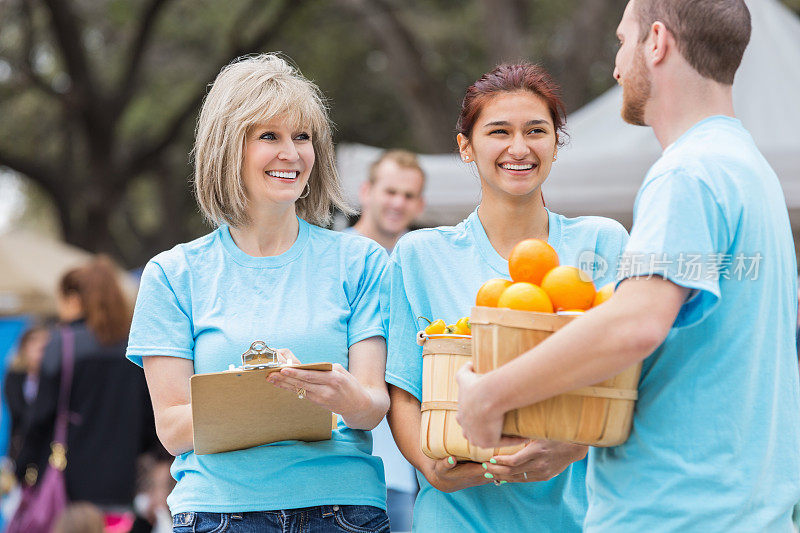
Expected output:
{"points": [[391, 198]]}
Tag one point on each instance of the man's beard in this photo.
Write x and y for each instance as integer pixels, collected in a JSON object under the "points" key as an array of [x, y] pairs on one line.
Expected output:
{"points": [[636, 88]]}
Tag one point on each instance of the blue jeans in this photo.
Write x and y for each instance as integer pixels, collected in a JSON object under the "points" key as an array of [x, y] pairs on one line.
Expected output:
{"points": [[323, 519]]}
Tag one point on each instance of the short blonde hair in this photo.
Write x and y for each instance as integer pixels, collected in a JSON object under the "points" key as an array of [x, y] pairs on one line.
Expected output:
{"points": [[402, 158], [249, 91]]}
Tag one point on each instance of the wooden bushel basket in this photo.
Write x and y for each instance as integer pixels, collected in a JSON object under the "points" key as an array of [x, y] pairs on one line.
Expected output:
{"points": [[600, 415], [440, 433]]}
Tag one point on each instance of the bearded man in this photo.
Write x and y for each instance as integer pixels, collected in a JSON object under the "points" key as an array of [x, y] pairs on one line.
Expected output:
{"points": [[715, 437]]}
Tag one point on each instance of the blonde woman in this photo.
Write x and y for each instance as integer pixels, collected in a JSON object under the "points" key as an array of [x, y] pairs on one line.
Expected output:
{"points": [[265, 176]]}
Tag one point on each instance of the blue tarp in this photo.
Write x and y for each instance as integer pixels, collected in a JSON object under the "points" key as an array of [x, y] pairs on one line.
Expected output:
{"points": [[11, 328]]}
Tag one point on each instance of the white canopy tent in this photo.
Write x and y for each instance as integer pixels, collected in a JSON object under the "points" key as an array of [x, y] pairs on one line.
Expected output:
{"points": [[600, 170], [31, 266]]}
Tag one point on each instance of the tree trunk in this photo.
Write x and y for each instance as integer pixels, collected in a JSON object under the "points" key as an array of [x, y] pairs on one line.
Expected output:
{"points": [[422, 94], [508, 36], [585, 37]]}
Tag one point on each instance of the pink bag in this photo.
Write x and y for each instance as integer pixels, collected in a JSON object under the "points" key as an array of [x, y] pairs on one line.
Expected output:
{"points": [[42, 504]]}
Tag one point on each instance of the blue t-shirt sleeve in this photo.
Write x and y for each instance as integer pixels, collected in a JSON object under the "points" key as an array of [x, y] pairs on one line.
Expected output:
{"points": [[161, 325], [610, 246], [365, 317], [679, 233], [404, 355]]}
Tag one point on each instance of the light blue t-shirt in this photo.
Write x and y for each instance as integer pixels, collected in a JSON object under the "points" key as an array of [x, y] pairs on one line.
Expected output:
{"points": [[436, 273], [715, 444], [207, 301]]}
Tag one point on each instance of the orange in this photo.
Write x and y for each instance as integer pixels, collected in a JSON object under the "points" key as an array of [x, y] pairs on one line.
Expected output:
{"points": [[525, 297], [569, 288], [490, 292], [530, 260], [604, 294]]}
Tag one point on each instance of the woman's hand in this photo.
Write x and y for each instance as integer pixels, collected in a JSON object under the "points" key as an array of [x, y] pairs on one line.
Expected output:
{"points": [[448, 475], [404, 419], [358, 395], [540, 460], [285, 356], [337, 390]]}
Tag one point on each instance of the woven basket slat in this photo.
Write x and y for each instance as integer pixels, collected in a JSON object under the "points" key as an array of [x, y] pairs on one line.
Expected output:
{"points": [[600, 415], [440, 433]]}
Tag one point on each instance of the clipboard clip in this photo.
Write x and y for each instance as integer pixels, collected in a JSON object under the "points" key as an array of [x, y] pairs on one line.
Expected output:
{"points": [[259, 355]]}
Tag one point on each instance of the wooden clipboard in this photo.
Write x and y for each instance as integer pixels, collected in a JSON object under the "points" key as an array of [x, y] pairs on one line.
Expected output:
{"points": [[239, 409]]}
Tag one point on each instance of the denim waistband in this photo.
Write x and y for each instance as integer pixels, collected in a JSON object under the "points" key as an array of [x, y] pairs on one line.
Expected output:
{"points": [[187, 518]]}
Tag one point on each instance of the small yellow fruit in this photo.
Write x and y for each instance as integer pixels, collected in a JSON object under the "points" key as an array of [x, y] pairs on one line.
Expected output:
{"points": [[604, 294], [436, 327], [459, 328]]}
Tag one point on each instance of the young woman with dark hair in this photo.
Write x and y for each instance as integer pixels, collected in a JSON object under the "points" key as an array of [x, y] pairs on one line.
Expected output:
{"points": [[111, 419], [511, 125]]}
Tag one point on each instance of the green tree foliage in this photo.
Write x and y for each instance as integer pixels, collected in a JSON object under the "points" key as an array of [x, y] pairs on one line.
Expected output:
{"points": [[99, 97], [99, 100]]}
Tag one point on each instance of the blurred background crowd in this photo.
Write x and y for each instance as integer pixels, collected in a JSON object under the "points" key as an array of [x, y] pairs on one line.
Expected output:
{"points": [[99, 100]]}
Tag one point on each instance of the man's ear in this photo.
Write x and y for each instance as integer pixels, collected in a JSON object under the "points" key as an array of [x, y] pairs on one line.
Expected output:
{"points": [[658, 43], [420, 206], [363, 193]]}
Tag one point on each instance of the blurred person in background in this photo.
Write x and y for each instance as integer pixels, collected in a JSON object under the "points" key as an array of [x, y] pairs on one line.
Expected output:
{"points": [[21, 385], [111, 420], [156, 482], [265, 177], [80, 517], [391, 198]]}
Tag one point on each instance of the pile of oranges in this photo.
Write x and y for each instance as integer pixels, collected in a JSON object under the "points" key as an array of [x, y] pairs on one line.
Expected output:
{"points": [[541, 284]]}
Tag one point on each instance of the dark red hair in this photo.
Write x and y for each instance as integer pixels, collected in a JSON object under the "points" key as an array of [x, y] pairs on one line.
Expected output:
{"points": [[508, 78]]}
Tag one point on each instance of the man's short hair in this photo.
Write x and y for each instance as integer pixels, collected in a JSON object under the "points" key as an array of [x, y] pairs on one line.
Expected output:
{"points": [[711, 34], [402, 158]]}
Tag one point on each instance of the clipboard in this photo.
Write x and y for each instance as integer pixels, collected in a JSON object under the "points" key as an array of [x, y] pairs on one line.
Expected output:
{"points": [[238, 409]]}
